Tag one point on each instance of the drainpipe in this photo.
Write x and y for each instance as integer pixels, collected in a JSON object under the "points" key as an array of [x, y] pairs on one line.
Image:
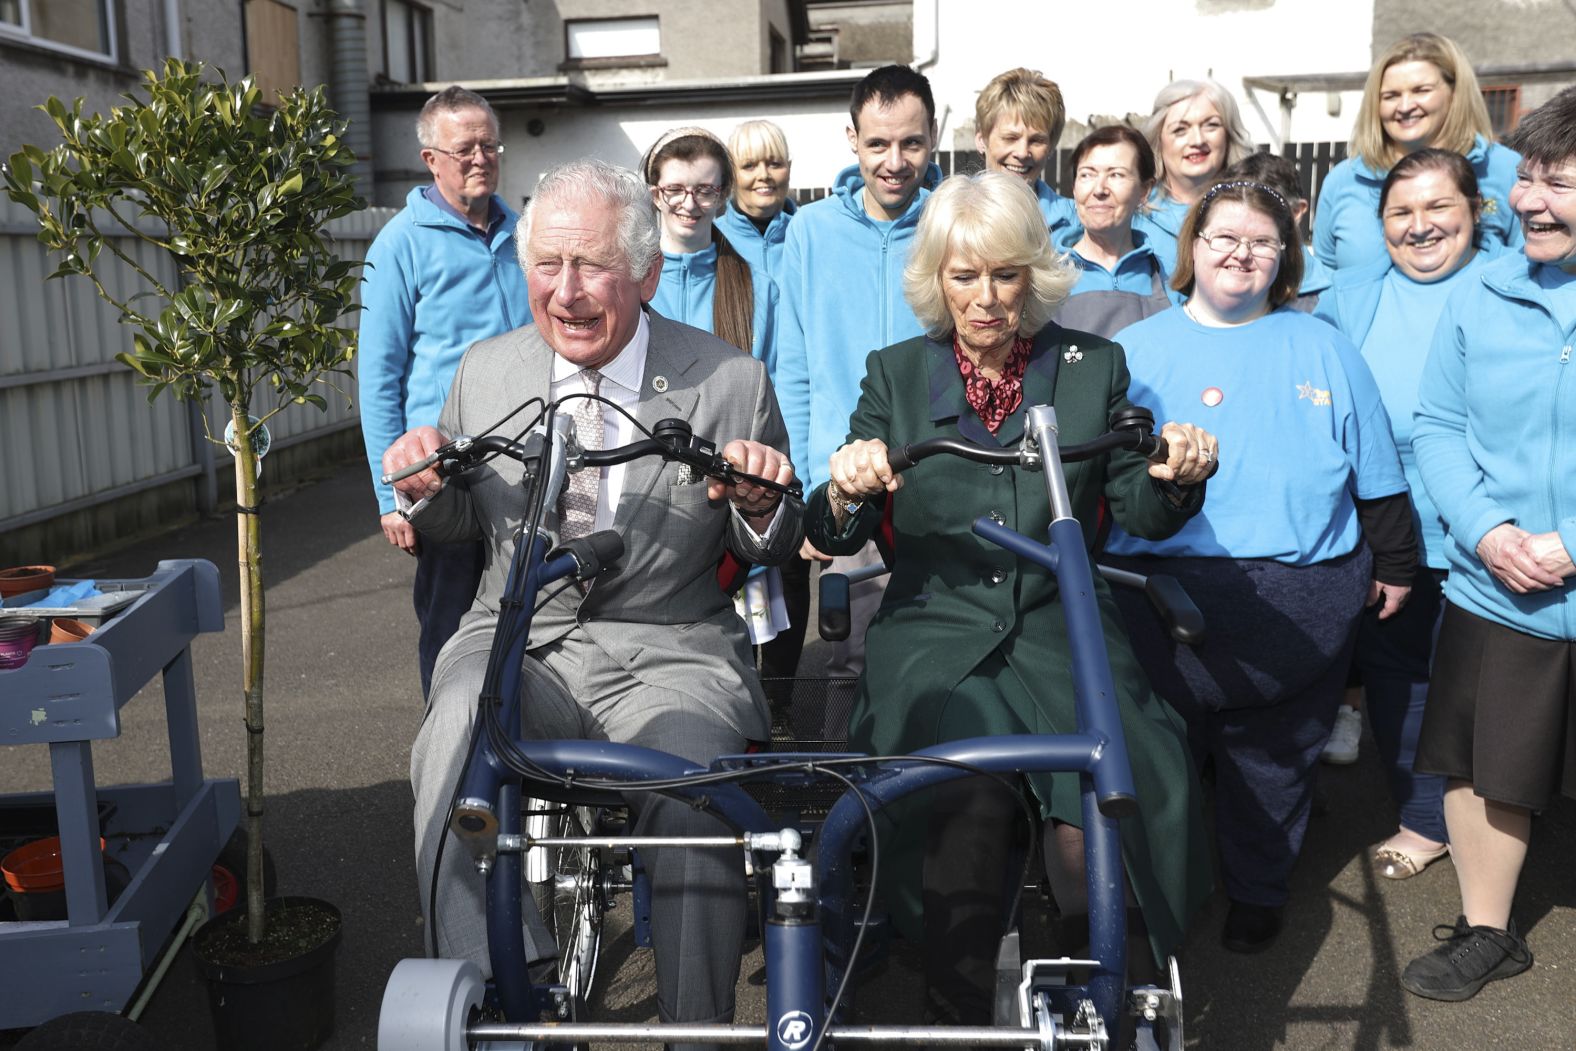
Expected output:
{"points": [[347, 83], [172, 28], [927, 50]]}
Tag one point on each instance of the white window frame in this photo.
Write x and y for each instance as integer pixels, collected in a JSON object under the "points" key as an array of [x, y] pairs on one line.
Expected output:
{"points": [[24, 31], [630, 24], [428, 56]]}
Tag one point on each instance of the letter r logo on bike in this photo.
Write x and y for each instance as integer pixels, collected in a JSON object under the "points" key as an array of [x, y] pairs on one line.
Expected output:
{"points": [[794, 1030]]}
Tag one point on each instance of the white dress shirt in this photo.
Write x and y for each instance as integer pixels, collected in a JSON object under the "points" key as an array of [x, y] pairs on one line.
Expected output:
{"points": [[621, 379]]}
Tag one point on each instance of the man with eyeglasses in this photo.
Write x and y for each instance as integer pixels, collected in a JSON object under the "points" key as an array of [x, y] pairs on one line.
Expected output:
{"points": [[440, 276]]}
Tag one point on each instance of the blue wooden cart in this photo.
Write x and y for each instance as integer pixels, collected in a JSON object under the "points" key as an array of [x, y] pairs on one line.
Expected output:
{"points": [[167, 835]]}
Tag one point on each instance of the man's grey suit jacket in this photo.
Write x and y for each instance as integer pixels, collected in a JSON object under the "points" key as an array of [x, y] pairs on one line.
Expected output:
{"points": [[659, 613]]}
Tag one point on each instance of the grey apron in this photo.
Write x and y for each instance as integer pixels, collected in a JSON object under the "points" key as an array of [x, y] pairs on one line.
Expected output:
{"points": [[1106, 313]]}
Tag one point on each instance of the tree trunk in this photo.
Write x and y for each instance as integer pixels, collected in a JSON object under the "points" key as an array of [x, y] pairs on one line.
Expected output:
{"points": [[249, 550]]}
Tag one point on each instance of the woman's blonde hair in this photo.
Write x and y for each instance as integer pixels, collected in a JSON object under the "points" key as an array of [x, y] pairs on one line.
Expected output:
{"points": [[1239, 141], [993, 218], [1465, 121], [757, 140], [1027, 93]]}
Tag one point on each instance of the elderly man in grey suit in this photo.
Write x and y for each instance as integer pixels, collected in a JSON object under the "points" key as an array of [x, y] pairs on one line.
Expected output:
{"points": [[652, 652]]}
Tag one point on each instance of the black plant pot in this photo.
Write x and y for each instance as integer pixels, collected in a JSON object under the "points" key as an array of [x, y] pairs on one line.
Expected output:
{"points": [[283, 1003]]}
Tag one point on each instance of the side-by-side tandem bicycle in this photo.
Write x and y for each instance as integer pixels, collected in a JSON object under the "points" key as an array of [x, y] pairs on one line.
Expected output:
{"points": [[540, 818]]}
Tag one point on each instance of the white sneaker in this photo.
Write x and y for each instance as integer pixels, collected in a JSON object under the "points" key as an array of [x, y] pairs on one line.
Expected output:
{"points": [[1341, 748]]}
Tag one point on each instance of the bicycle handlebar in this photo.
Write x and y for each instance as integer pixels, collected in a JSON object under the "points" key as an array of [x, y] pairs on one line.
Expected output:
{"points": [[671, 439], [1130, 433]]}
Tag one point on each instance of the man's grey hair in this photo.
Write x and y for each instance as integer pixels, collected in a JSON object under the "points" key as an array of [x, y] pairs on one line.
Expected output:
{"points": [[449, 100], [589, 179]]}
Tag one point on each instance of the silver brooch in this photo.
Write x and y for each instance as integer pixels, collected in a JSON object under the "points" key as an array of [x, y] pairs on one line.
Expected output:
{"points": [[1073, 355], [659, 384]]}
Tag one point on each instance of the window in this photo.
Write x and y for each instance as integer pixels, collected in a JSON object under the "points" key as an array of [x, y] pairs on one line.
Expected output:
{"points": [[273, 46], [608, 38], [83, 27], [778, 61], [1504, 108], [407, 42]]}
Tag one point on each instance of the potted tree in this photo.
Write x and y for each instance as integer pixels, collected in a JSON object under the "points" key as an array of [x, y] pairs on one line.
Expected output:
{"points": [[235, 189]]}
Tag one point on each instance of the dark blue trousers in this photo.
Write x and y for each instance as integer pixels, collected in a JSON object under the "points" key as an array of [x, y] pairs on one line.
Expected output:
{"points": [[1259, 695], [1393, 658], [447, 576]]}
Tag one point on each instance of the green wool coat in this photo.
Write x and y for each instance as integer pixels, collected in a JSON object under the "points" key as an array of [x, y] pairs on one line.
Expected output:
{"points": [[955, 601]]}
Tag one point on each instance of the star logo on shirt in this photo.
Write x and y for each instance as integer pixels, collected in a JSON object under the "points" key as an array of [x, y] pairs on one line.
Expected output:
{"points": [[1312, 393]]}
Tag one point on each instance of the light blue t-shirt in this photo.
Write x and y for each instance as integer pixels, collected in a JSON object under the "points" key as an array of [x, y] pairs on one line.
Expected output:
{"points": [[1395, 348], [1301, 426]]}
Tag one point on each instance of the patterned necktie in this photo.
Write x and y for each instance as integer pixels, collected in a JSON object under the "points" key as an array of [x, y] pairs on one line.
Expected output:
{"points": [[577, 508]]}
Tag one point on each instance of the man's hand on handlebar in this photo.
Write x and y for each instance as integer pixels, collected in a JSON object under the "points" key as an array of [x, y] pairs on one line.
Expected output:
{"points": [[412, 447], [860, 470], [1192, 455], [762, 461]]}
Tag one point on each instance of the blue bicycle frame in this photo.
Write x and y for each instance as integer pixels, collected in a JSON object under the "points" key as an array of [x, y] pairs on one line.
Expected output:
{"points": [[802, 963]]}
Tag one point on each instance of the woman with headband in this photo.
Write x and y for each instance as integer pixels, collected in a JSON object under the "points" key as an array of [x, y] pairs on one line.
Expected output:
{"points": [[705, 282], [1308, 521]]}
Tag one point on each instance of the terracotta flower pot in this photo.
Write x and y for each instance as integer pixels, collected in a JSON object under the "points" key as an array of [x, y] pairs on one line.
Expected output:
{"points": [[16, 580], [64, 629]]}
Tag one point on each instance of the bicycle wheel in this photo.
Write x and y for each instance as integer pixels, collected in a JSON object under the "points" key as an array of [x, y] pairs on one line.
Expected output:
{"points": [[571, 900]]}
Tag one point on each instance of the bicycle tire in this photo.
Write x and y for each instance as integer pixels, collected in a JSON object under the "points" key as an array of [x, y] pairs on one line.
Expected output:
{"points": [[571, 901]]}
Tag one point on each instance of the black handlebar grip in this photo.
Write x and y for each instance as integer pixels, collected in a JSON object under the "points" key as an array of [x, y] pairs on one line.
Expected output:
{"points": [[1182, 618], [1161, 449], [899, 459], [835, 620]]}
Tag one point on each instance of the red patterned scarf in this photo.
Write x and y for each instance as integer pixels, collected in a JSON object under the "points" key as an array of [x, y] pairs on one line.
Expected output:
{"points": [[994, 400]]}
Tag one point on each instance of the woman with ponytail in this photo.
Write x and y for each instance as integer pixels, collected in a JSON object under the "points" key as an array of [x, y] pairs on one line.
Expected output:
{"points": [[705, 282]]}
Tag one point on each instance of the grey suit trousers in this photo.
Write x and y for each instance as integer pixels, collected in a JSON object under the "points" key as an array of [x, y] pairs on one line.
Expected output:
{"points": [[698, 896]]}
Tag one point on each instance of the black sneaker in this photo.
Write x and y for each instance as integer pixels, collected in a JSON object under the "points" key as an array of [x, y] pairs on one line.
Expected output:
{"points": [[1469, 958]]}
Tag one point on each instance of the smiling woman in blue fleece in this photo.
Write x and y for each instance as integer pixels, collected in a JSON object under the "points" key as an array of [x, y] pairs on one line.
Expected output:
{"points": [[1420, 93], [1496, 443]]}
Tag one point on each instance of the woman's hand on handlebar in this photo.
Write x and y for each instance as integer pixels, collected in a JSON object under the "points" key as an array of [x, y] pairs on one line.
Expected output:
{"points": [[1191, 455], [412, 447], [860, 470], [762, 461]]}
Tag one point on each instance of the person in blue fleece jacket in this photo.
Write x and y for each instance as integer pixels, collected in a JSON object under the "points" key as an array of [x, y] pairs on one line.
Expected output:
{"points": [[440, 276], [1120, 280], [840, 295], [756, 219], [1496, 443], [1429, 204], [705, 282], [1196, 132], [1018, 120], [1421, 92]]}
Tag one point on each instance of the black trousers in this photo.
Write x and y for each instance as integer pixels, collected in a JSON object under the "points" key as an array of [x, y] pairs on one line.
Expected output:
{"points": [[447, 576]]}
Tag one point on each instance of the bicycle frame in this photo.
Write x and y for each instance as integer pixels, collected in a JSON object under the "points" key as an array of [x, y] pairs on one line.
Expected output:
{"points": [[802, 963]]}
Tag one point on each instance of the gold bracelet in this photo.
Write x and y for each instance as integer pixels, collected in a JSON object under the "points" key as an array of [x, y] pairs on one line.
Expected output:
{"points": [[841, 504]]}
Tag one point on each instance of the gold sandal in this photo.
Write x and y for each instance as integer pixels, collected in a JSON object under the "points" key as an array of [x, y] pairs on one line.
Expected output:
{"points": [[1397, 863]]}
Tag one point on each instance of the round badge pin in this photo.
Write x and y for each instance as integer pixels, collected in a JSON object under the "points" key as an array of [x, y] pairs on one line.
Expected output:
{"points": [[659, 384], [1212, 396]]}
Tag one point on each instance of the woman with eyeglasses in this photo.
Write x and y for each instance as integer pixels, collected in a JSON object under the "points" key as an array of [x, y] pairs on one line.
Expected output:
{"points": [[1420, 93], [1429, 209], [705, 281], [1307, 522]]}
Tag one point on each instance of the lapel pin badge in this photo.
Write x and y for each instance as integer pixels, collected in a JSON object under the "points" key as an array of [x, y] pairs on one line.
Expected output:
{"points": [[659, 384], [1073, 355]]}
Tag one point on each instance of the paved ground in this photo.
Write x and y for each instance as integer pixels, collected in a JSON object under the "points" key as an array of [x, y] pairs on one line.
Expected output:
{"points": [[342, 711]]}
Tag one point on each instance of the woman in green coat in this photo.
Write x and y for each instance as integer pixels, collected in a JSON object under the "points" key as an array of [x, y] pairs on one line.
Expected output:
{"points": [[970, 640]]}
